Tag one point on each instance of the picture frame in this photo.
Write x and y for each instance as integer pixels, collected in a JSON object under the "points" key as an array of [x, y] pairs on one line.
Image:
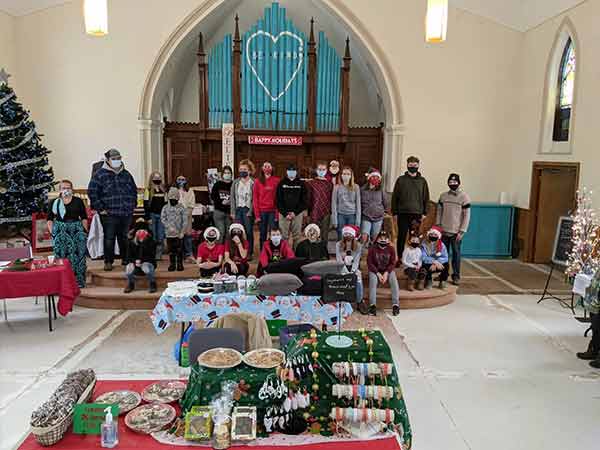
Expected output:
{"points": [[198, 424], [243, 425], [41, 238]]}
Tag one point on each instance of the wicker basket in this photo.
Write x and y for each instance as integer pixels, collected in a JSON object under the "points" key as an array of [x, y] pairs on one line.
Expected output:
{"points": [[47, 436]]}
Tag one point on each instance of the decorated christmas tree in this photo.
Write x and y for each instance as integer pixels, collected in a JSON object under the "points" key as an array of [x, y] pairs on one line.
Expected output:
{"points": [[584, 256], [25, 177]]}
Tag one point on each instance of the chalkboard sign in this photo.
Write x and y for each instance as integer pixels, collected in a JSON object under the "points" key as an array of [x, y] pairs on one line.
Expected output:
{"points": [[339, 288], [563, 241]]}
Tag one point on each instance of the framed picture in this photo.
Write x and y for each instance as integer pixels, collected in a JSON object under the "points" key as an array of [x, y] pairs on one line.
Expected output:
{"points": [[243, 426], [198, 424], [41, 239]]}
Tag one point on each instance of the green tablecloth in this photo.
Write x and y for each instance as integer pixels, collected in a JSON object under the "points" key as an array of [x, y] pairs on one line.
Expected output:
{"points": [[204, 384]]}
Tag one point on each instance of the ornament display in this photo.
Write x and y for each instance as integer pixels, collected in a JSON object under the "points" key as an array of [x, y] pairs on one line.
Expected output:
{"points": [[584, 256]]}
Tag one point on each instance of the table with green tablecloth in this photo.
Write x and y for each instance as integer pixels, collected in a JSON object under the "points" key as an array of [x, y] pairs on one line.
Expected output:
{"points": [[204, 384]]}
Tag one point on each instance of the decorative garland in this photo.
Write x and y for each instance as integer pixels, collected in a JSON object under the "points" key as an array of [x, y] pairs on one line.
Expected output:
{"points": [[13, 127], [7, 98], [25, 140], [23, 162]]}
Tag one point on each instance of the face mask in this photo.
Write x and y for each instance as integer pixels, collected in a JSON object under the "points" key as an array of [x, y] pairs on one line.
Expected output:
{"points": [[413, 169], [374, 182], [157, 182], [433, 238], [382, 244], [211, 239], [116, 163], [334, 170], [276, 240], [292, 174], [227, 176], [321, 173], [267, 170], [181, 182], [453, 187], [346, 179], [237, 233], [313, 237], [244, 173], [173, 202], [67, 192], [414, 244]]}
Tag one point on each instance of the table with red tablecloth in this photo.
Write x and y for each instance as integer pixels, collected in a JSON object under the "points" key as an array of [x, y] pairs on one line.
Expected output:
{"points": [[55, 280]]}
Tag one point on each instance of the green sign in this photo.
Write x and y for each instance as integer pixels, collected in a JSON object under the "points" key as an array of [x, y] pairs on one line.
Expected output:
{"points": [[89, 416]]}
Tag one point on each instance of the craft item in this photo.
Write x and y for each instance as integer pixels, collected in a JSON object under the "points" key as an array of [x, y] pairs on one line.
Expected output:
{"points": [[220, 358], [221, 433], [272, 388], [126, 400], [164, 391], [198, 424], [149, 418], [243, 423], [264, 358]]}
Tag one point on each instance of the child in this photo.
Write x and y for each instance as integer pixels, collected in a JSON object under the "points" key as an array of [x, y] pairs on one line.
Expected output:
{"points": [[435, 258], [275, 249], [141, 257], [412, 259], [264, 200], [313, 247], [348, 252], [174, 218], [374, 202], [237, 251], [381, 262], [154, 201], [210, 253], [345, 202]]}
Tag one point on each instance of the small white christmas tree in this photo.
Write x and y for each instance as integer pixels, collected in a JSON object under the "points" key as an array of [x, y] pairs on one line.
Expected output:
{"points": [[584, 256]]}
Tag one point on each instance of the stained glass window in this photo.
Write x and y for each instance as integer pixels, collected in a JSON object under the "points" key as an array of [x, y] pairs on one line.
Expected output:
{"points": [[564, 100]]}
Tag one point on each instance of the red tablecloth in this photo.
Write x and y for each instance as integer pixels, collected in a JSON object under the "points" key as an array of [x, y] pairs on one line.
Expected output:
{"points": [[128, 440], [57, 280]]}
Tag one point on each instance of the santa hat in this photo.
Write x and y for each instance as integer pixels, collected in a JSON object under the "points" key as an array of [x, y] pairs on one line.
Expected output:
{"points": [[351, 230], [375, 173], [212, 232], [436, 231], [237, 226], [312, 226]]}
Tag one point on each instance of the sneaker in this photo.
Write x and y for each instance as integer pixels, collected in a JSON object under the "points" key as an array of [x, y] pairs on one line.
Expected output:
{"points": [[108, 267], [130, 287], [363, 308], [442, 285], [395, 310], [590, 354], [456, 281], [152, 289], [372, 310], [419, 285]]}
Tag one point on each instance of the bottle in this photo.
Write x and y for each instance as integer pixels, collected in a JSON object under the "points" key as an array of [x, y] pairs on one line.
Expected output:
{"points": [[109, 431]]}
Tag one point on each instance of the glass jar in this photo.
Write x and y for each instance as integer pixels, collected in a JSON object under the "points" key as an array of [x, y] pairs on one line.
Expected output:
{"points": [[221, 432]]}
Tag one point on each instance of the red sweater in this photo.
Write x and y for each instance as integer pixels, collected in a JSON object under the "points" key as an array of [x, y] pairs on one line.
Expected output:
{"points": [[380, 260], [269, 254], [264, 196]]}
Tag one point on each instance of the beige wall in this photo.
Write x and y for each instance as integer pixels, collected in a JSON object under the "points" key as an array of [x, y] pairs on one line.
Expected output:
{"points": [[457, 97], [537, 47], [8, 59]]}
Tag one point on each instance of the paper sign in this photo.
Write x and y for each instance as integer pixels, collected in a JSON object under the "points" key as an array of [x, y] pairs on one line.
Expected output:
{"points": [[228, 145], [88, 417], [339, 288]]}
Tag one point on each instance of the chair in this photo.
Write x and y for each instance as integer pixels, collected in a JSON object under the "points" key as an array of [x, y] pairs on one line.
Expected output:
{"points": [[10, 254], [254, 329], [208, 338]]}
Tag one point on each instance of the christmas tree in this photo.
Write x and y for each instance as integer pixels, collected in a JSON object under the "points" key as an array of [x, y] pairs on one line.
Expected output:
{"points": [[584, 256], [25, 177]]}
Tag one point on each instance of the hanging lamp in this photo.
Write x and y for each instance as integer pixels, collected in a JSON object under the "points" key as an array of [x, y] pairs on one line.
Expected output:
{"points": [[95, 13], [436, 21]]}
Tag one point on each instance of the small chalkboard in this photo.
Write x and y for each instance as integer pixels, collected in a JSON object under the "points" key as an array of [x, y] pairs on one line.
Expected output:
{"points": [[563, 241], [339, 288]]}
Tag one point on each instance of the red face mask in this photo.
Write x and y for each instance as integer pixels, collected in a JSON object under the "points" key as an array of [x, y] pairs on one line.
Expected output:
{"points": [[374, 181], [268, 170], [141, 235]]}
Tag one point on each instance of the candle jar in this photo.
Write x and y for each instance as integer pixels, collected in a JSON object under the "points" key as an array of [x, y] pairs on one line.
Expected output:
{"points": [[221, 432]]}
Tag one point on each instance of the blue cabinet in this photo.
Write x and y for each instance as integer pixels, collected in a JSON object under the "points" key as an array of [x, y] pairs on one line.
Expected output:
{"points": [[490, 233]]}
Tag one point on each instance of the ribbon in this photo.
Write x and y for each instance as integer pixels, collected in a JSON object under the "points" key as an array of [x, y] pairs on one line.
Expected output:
{"points": [[7, 98], [22, 163], [25, 140]]}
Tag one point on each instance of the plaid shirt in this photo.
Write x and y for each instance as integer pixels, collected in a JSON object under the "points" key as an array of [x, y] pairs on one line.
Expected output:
{"points": [[320, 191], [114, 192]]}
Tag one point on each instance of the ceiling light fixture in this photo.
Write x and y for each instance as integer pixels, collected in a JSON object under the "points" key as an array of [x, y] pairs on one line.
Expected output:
{"points": [[95, 13], [436, 21]]}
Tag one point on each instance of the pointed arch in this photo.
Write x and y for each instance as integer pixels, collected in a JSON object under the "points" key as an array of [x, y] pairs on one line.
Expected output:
{"points": [[559, 111]]}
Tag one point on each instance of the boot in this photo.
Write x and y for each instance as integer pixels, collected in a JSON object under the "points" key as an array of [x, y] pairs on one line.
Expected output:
{"points": [[442, 285], [152, 289], [172, 261], [108, 267], [428, 284], [180, 264], [419, 285], [395, 310], [412, 285], [590, 354], [372, 310], [595, 363], [130, 287]]}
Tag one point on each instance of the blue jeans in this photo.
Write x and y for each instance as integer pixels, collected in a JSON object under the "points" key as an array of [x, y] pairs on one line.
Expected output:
{"points": [[241, 216], [371, 228], [158, 232], [453, 247], [115, 228], [146, 268], [187, 246], [267, 222], [342, 220]]}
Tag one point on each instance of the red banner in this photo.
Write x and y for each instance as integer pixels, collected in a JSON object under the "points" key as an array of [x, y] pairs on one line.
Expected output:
{"points": [[275, 140]]}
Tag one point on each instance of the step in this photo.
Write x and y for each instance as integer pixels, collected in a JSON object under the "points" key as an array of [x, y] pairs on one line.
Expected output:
{"points": [[114, 298]]}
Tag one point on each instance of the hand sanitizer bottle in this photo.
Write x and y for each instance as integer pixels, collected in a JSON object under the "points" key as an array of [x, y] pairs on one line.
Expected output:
{"points": [[109, 431]]}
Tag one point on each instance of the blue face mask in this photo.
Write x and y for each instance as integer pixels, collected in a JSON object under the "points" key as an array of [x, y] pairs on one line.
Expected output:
{"points": [[292, 174], [321, 173]]}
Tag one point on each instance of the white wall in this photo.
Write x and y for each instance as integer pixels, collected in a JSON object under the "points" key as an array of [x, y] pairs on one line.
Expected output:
{"points": [[457, 97], [8, 59], [535, 54]]}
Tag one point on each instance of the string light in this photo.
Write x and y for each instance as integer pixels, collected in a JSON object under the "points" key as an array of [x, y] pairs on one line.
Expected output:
{"points": [[585, 254]]}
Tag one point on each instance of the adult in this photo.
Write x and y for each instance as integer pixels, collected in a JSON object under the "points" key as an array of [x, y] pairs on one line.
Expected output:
{"points": [[313, 248], [453, 216], [345, 202], [321, 190], [591, 303], [221, 197], [374, 203], [187, 199], [67, 223], [155, 198], [409, 200], [292, 197], [242, 206], [113, 193], [264, 200]]}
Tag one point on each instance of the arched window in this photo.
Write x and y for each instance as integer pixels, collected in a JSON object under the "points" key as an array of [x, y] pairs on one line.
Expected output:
{"points": [[564, 98]]}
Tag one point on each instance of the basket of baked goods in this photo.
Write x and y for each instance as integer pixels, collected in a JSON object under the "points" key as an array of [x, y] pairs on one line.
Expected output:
{"points": [[52, 419]]}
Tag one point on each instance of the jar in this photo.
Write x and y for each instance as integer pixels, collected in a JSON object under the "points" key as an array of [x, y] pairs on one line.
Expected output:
{"points": [[221, 432]]}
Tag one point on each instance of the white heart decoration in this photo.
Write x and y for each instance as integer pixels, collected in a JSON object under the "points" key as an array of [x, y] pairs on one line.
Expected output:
{"points": [[275, 39]]}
